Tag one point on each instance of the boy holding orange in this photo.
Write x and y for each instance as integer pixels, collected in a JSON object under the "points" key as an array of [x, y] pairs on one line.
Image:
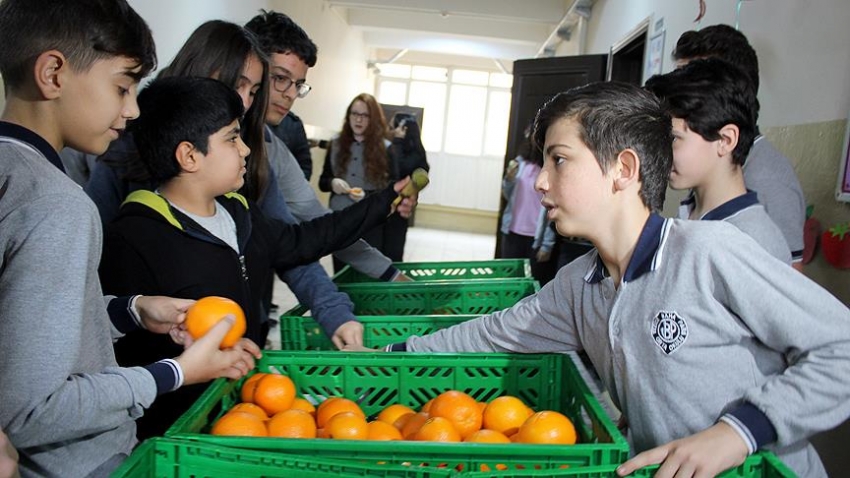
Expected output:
{"points": [[71, 70], [710, 346]]}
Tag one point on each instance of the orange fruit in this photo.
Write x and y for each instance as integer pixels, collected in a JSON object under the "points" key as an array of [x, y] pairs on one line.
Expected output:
{"points": [[303, 404], [412, 423], [241, 424], [347, 426], [437, 429], [393, 412], [292, 424], [402, 420], [322, 433], [336, 405], [249, 385], [427, 407], [487, 436], [207, 312], [383, 431], [250, 408], [460, 409], [275, 393], [547, 427], [506, 414]]}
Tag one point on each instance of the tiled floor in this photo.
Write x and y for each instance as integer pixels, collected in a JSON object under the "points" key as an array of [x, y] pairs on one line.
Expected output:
{"points": [[422, 245]]}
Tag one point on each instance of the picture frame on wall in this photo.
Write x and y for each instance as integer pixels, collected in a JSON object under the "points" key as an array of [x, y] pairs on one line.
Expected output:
{"points": [[842, 190]]}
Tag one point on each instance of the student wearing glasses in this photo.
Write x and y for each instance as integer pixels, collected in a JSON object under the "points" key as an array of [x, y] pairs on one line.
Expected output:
{"points": [[357, 163]]}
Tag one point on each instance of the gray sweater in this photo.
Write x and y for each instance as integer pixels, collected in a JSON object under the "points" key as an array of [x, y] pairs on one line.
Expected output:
{"points": [[65, 404], [704, 321]]}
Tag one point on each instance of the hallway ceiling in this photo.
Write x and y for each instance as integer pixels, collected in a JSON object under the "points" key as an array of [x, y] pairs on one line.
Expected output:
{"points": [[500, 30]]}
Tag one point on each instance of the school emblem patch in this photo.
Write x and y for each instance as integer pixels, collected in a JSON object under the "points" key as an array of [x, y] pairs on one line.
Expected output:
{"points": [[669, 331]]}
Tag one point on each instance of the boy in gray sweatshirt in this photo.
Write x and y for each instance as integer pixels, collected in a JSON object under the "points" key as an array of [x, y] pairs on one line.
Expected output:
{"points": [[71, 70], [711, 347]]}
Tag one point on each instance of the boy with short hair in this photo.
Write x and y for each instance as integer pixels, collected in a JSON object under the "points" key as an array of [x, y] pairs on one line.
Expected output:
{"points": [[766, 171], [194, 236], [71, 70], [711, 347], [715, 111]]}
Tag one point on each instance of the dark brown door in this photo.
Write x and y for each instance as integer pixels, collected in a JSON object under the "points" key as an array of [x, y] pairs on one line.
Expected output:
{"points": [[535, 82]]}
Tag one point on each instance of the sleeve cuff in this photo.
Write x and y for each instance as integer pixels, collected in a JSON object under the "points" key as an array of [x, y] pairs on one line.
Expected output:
{"points": [[390, 274], [752, 424], [402, 347], [123, 315], [167, 374], [796, 256]]}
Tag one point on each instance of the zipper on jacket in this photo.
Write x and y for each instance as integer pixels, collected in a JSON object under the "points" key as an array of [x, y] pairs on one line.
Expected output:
{"points": [[243, 267]]}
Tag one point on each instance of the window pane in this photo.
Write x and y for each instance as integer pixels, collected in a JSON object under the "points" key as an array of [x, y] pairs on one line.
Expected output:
{"points": [[465, 121], [432, 97], [470, 77], [431, 73], [393, 70], [498, 113], [392, 92], [501, 80]]}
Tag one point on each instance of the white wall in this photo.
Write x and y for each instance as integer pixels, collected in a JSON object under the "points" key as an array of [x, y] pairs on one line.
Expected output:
{"points": [[802, 47]]}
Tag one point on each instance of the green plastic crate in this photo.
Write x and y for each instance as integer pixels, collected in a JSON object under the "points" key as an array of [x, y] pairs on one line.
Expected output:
{"points": [[431, 271], [168, 458], [474, 297], [303, 333], [760, 465], [377, 380]]}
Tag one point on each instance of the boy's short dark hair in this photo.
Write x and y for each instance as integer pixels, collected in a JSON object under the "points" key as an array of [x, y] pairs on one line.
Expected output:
{"points": [[719, 41], [710, 94], [279, 34], [612, 117], [85, 31], [177, 109]]}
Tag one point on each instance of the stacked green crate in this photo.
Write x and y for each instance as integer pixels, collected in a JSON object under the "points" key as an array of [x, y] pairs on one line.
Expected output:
{"points": [[450, 270], [377, 380]]}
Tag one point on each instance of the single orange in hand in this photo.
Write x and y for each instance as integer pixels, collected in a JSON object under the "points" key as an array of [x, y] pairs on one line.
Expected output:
{"points": [[460, 409], [347, 426], [336, 405], [506, 414], [487, 436], [275, 393], [383, 431], [250, 408], [437, 429], [207, 312], [303, 404], [547, 427], [292, 424], [393, 412], [240, 424]]}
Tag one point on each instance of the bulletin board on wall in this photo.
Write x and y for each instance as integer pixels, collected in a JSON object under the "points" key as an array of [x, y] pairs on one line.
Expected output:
{"points": [[842, 191]]}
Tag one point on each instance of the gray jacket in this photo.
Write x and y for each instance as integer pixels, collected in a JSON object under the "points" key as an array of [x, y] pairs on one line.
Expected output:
{"points": [[704, 322], [64, 403]]}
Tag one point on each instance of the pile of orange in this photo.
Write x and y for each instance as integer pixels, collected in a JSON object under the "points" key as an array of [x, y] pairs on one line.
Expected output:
{"points": [[270, 408]]}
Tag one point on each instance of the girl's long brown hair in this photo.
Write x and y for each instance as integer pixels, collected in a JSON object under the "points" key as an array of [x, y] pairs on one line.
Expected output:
{"points": [[375, 158]]}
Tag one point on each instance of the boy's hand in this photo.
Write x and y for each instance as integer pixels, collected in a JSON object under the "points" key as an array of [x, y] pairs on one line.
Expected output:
{"points": [[203, 361], [358, 348], [402, 278], [406, 201], [704, 454], [160, 314], [349, 333]]}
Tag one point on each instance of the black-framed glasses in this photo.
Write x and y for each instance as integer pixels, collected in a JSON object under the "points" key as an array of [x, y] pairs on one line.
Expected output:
{"points": [[356, 115], [281, 83]]}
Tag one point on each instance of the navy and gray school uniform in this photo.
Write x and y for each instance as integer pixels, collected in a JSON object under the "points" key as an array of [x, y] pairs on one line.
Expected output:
{"points": [[749, 216], [705, 325], [770, 174]]}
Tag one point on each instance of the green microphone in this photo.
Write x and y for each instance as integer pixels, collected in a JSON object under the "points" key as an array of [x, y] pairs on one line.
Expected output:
{"points": [[418, 181]]}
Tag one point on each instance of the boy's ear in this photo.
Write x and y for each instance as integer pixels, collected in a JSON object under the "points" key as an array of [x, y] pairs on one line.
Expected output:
{"points": [[626, 170], [728, 139], [50, 68], [187, 156]]}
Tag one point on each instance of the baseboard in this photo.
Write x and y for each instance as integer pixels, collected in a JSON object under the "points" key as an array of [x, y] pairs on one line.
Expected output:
{"points": [[456, 219]]}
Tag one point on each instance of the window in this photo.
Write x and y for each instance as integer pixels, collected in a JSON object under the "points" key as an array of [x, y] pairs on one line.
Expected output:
{"points": [[466, 111]]}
